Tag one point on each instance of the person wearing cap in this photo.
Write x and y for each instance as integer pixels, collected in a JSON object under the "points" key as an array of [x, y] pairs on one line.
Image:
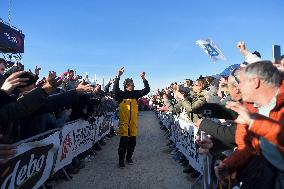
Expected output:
{"points": [[128, 115]]}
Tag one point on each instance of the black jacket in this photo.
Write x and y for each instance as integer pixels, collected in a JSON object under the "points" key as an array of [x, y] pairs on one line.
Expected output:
{"points": [[11, 111], [43, 119], [136, 94], [23, 107]]}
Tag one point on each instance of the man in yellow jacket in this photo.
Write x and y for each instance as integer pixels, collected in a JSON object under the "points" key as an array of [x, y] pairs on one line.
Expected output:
{"points": [[128, 114]]}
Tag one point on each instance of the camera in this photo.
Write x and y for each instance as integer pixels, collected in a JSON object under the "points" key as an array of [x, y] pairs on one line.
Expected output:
{"points": [[14, 68], [32, 78], [213, 110], [183, 89]]}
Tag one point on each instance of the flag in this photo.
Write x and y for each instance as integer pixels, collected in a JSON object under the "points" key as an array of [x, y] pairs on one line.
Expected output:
{"points": [[211, 49]]}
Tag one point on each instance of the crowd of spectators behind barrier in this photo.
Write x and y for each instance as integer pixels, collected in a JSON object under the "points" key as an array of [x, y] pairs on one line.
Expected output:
{"points": [[254, 91], [29, 106], [254, 139]]}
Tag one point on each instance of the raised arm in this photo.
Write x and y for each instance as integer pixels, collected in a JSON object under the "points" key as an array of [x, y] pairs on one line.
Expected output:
{"points": [[249, 57], [146, 89], [117, 91], [106, 89]]}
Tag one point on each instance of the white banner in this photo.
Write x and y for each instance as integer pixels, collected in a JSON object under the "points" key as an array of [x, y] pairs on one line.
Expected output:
{"points": [[183, 134], [34, 161], [77, 137], [187, 144], [104, 124], [99, 121], [32, 165]]}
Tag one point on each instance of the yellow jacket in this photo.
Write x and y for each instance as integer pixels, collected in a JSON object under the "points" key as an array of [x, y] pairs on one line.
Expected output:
{"points": [[128, 108], [128, 111]]}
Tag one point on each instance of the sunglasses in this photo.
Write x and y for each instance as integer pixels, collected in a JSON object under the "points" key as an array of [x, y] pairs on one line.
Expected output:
{"points": [[234, 74]]}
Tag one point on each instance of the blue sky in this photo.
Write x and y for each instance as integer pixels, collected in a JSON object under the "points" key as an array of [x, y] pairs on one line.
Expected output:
{"points": [[155, 36]]}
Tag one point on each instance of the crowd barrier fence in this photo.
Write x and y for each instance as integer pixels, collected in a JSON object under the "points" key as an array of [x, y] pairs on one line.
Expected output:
{"points": [[41, 156]]}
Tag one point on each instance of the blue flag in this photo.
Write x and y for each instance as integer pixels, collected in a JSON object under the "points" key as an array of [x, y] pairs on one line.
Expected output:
{"points": [[210, 48]]}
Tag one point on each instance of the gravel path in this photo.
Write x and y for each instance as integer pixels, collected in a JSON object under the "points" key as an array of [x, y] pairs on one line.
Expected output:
{"points": [[153, 166]]}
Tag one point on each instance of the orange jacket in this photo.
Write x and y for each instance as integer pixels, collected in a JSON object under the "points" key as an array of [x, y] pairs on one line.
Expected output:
{"points": [[247, 138]]}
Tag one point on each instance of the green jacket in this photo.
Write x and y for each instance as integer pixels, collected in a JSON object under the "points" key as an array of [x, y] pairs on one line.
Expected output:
{"points": [[195, 102]]}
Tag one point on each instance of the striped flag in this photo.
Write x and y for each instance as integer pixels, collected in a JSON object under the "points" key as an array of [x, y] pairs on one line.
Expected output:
{"points": [[210, 48]]}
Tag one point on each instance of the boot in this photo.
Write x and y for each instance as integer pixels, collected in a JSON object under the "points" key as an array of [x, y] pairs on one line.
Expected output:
{"points": [[121, 164], [121, 156], [129, 161]]}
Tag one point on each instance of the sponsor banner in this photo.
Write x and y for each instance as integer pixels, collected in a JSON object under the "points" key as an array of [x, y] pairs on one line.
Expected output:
{"points": [[77, 137], [187, 144], [99, 121], [183, 135], [104, 125], [32, 165]]}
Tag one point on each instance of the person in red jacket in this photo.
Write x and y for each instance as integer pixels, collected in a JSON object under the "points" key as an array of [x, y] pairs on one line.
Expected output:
{"points": [[260, 129]]}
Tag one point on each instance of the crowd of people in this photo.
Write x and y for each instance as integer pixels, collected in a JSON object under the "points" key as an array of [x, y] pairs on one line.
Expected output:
{"points": [[242, 114], [247, 107], [29, 107]]}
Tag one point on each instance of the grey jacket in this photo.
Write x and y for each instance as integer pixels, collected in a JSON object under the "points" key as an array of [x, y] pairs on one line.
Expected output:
{"points": [[225, 133]]}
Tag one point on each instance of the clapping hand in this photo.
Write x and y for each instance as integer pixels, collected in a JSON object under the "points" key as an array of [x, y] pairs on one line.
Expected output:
{"points": [[52, 82], [82, 88]]}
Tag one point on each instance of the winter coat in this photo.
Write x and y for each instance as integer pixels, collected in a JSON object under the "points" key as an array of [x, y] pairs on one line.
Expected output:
{"points": [[248, 138], [128, 108]]}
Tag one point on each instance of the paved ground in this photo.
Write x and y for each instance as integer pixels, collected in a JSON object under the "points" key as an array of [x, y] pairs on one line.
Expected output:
{"points": [[154, 167]]}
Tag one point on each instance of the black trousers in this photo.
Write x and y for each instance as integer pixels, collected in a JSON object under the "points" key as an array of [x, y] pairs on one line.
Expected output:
{"points": [[126, 147]]}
